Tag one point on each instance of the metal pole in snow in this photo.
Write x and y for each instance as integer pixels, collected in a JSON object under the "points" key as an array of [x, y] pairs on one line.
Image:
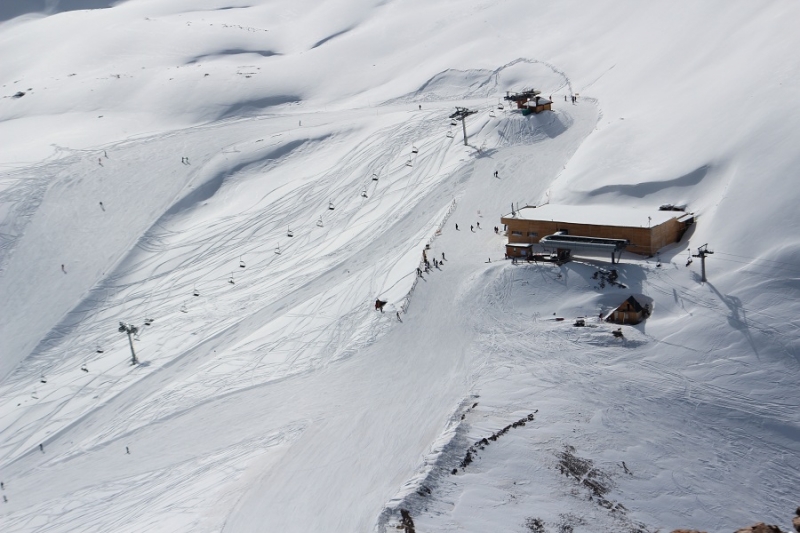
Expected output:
{"points": [[130, 329], [133, 352]]}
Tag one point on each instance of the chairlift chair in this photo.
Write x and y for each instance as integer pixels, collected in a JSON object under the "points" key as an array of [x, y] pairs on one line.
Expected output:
{"points": [[278, 250], [184, 309], [500, 106], [414, 149], [231, 280], [491, 114], [453, 123], [289, 232], [330, 206], [409, 163], [319, 222], [99, 350], [374, 177], [195, 293], [241, 262], [450, 135], [364, 193], [147, 322]]}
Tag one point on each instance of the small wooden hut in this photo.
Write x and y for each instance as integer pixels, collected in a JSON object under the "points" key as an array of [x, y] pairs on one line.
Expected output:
{"points": [[537, 104], [630, 312]]}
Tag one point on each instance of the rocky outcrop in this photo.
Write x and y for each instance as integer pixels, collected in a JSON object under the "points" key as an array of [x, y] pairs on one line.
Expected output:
{"points": [[761, 527]]}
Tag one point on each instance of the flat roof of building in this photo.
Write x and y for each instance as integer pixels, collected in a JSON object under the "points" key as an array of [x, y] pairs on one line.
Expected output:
{"points": [[596, 215]]}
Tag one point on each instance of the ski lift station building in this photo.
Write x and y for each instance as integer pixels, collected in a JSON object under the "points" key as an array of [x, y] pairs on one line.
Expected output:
{"points": [[646, 230]]}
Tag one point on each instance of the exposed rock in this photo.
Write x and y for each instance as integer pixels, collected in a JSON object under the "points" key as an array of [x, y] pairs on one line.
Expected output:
{"points": [[687, 531], [761, 527]]}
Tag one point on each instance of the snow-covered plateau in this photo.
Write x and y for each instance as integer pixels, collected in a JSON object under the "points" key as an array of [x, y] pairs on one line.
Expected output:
{"points": [[241, 180]]}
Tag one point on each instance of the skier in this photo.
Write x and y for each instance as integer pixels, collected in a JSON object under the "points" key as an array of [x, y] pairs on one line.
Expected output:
{"points": [[420, 107], [435, 264], [456, 227], [398, 317], [102, 206], [479, 225], [127, 450], [2, 486], [443, 256], [41, 448], [472, 228], [99, 161], [105, 154], [64, 270]]}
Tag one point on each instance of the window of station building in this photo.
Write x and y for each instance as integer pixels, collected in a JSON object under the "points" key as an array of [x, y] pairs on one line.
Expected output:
{"points": [[532, 234], [517, 233]]}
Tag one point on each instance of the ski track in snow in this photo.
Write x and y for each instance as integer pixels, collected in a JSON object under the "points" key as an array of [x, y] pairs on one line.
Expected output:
{"points": [[269, 393]]}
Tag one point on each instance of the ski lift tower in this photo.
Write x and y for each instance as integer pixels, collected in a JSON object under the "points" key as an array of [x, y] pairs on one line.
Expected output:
{"points": [[461, 114], [702, 252], [131, 330]]}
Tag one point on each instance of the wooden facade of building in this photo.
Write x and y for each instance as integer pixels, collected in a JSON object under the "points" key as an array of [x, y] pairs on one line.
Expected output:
{"points": [[647, 231], [538, 104], [630, 312]]}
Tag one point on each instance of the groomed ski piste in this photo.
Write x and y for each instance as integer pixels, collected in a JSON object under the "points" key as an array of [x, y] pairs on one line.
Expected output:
{"points": [[241, 181]]}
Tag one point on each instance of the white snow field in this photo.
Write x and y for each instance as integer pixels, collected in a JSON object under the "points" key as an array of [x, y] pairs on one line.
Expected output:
{"points": [[269, 394]]}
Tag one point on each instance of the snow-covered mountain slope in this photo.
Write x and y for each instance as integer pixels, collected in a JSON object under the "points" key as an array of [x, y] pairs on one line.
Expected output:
{"points": [[246, 178]]}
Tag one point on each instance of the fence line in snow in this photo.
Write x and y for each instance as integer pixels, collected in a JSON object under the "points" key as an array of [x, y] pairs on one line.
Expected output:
{"points": [[421, 266]]}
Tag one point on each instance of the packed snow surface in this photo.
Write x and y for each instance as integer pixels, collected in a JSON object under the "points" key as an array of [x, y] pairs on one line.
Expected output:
{"points": [[597, 215], [242, 181]]}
